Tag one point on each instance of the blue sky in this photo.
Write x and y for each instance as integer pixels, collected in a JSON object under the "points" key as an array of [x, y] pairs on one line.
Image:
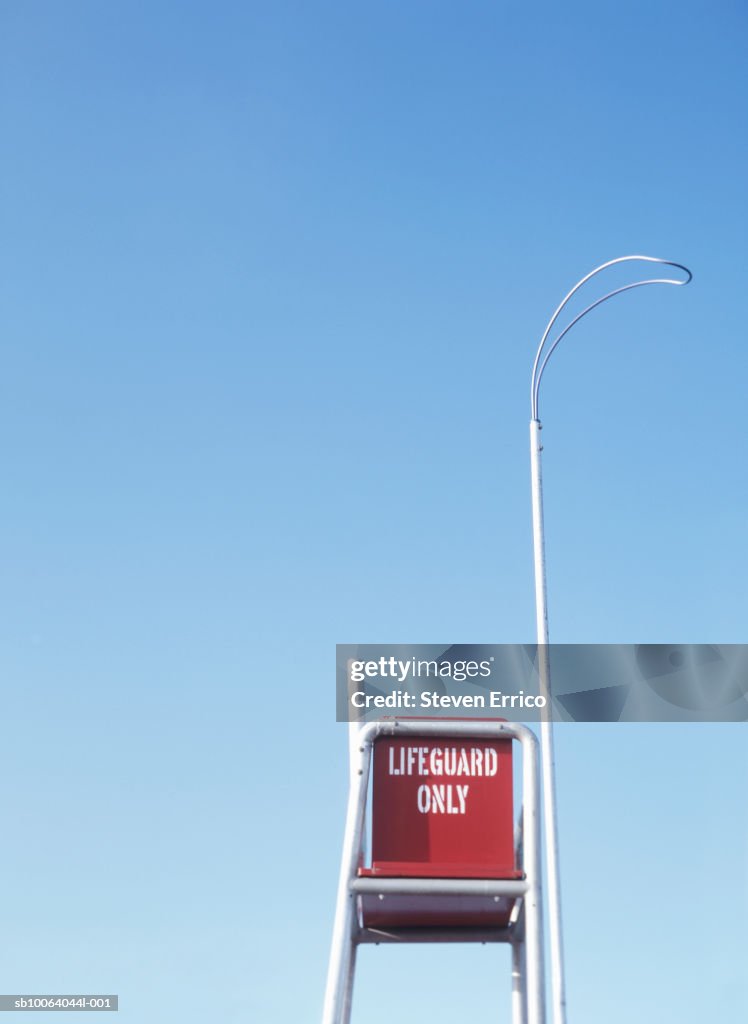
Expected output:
{"points": [[272, 281]]}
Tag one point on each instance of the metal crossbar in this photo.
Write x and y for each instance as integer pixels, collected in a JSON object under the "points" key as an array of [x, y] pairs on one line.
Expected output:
{"points": [[441, 886]]}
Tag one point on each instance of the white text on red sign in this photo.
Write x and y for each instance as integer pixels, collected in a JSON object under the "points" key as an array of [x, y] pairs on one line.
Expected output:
{"points": [[443, 798]]}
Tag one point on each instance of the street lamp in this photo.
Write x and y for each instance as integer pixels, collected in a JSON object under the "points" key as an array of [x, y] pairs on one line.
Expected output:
{"points": [[544, 353]]}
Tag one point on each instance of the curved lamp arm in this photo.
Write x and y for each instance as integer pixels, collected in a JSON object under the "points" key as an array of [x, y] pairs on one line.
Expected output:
{"points": [[544, 354]]}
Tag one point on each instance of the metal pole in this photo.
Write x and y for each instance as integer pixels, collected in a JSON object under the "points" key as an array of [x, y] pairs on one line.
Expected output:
{"points": [[558, 984], [532, 940], [558, 987], [339, 990], [519, 984]]}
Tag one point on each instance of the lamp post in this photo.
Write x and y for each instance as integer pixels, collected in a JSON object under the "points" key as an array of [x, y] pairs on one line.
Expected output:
{"points": [[545, 351]]}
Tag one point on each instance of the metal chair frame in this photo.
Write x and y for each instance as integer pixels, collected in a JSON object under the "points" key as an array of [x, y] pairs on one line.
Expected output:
{"points": [[525, 930]]}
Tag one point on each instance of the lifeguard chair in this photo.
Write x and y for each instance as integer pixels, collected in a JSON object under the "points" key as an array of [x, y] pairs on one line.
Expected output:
{"points": [[448, 862]]}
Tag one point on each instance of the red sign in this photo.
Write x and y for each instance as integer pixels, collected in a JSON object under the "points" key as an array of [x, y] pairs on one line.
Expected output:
{"points": [[443, 808]]}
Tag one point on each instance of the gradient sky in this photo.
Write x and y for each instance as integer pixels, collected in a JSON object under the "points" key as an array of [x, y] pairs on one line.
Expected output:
{"points": [[272, 279]]}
